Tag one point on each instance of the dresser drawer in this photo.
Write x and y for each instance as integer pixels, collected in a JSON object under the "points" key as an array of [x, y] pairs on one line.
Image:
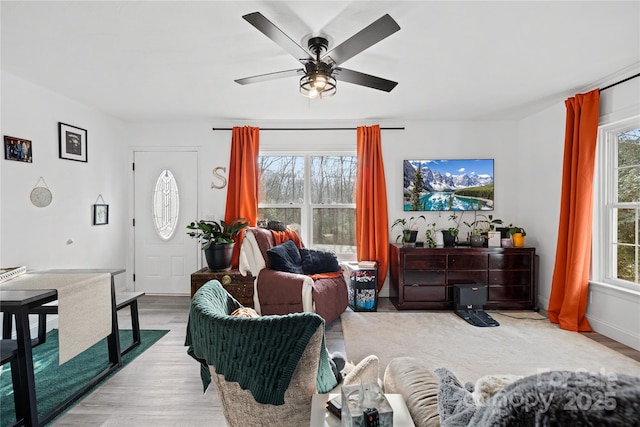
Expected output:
{"points": [[510, 277], [425, 293], [424, 277], [467, 262], [424, 262]]}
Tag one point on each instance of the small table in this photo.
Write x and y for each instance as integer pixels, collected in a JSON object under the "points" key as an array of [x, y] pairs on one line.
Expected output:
{"points": [[320, 417], [240, 287], [19, 304], [113, 340]]}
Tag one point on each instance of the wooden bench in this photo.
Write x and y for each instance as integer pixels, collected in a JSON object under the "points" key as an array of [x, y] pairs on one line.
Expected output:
{"points": [[123, 299], [130, 299]]}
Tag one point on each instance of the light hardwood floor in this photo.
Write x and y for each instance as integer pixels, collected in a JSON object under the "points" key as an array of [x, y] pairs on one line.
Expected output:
{"points": [[162, 386]]}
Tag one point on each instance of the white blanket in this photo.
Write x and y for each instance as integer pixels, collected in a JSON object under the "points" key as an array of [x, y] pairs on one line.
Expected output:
{"points": [[251, 261], [84, 307]]}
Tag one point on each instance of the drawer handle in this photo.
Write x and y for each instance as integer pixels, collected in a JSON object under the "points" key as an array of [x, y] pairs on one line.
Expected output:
{"points": [[226, 279]]}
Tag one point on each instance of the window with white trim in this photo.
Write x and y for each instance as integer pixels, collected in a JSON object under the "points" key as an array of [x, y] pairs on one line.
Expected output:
{"points": [[314, 194], [618, 243]]}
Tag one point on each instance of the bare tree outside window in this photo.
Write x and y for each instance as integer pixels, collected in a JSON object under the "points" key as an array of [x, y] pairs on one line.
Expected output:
{"points": [[627, 202], [325, 216]]}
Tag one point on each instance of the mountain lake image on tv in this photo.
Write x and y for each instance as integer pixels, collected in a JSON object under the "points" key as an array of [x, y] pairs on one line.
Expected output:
{"points": [[448, 185]]}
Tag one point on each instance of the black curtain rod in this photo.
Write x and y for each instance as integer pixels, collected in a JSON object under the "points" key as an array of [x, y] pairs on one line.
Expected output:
{"points": [[392, 128], [621, 81]]}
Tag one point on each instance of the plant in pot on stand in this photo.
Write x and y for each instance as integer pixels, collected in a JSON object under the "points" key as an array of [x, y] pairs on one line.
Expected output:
{"points": [[409, 229], [217, 239]]}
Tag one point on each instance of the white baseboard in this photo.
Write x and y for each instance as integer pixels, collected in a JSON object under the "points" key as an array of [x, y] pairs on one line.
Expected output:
{"points": [[614, 332]]}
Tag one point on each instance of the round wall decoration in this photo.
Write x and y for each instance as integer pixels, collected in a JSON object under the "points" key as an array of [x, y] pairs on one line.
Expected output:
{"points": [[41, 196]]}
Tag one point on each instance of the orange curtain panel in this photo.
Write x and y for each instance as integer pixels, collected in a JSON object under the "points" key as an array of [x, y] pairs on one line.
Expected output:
{"points": [[242, 191], [372, 222], [570, 283]]}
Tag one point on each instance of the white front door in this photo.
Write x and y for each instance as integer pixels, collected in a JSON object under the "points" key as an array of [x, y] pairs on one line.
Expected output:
{"points": [[163, 264]]}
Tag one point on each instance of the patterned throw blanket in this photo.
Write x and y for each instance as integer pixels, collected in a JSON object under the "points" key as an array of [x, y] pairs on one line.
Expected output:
{"points": [[251, 351], [552, 398]]}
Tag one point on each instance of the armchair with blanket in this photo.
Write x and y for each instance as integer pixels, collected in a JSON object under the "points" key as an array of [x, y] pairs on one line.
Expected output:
{"points": [[305, 287], [266, 369]]}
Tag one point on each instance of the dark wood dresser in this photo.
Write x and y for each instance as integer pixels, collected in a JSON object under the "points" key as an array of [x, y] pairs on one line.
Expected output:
{"points": [[240, 287], [423, 278]]}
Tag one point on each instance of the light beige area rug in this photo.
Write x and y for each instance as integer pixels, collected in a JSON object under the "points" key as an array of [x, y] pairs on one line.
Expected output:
{"points": [[442, 339]]}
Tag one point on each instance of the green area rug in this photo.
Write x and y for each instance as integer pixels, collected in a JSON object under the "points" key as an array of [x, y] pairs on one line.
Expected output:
{"points": [[54, 382]]}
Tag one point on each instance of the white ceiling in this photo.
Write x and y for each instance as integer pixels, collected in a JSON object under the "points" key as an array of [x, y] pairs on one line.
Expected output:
{"points": [[454, 60]]}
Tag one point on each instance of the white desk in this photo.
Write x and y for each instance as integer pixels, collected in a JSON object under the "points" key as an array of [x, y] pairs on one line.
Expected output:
{"points": [[320, 417]]}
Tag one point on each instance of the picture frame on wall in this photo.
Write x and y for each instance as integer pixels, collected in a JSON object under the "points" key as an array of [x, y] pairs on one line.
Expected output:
{"points": [[73, 142], [18, 149], [100, 214]]}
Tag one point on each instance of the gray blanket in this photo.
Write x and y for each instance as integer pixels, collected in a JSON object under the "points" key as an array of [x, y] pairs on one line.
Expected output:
{"points": [[553, 398]]}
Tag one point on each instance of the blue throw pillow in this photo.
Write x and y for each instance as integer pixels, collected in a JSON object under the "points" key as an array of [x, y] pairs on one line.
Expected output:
{"points": [[315, 261], [285, 257]]}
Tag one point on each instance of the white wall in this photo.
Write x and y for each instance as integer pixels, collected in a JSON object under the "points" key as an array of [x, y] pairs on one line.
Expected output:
{"points": [[37, 237], [541, 142], [419, 140], [611, 311], [528, 163]]}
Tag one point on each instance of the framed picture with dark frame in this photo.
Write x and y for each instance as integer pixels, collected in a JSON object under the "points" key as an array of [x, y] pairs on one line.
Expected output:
{"points": [[18, 149], [100, 214], [73, 142]]}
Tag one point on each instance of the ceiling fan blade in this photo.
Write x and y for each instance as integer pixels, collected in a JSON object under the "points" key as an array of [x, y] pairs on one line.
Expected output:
{"points": [[269, 76], [362, 79], [379, 30], [267, 28]]}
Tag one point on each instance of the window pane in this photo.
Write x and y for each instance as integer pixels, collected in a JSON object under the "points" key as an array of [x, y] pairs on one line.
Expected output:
{"points": [[166, 205], [334, 229], [626, 226], [627, 263], [288, 216], [281, 179], [629, 185], [333, 179], [629, 148]]}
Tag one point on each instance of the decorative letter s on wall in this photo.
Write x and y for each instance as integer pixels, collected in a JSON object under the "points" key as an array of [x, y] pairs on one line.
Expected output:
{"points": [[220, 176]]}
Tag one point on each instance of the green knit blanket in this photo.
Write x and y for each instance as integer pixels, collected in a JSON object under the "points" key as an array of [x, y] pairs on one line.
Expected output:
{"points": [[260, 354]]}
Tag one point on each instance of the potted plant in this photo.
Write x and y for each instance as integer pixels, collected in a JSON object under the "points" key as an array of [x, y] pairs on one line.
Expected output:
{"points": [[409, 229], [517, 235], [450, 235], [430, 235], [480, 229], [217, 240]]}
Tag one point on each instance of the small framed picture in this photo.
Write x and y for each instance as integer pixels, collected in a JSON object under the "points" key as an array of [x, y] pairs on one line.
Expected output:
{"points": [[17, 149], [100, 214], [73, 142]]}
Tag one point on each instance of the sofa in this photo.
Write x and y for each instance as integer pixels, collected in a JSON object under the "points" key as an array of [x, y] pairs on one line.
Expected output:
{"points": [[437, 398], [300, 285]]}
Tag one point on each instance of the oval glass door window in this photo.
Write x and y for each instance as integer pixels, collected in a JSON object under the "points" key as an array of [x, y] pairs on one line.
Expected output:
{"points": [[166, 205]]}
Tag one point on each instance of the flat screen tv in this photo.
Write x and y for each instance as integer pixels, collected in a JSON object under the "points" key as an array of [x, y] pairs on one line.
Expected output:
{"points": [[448, 185]]}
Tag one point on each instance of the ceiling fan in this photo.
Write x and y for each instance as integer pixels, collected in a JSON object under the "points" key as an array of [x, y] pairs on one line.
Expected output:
{"points": [[321, 68]]}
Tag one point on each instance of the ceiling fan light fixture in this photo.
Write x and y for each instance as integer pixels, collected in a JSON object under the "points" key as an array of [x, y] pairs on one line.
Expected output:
{"points": [[318, 84]]}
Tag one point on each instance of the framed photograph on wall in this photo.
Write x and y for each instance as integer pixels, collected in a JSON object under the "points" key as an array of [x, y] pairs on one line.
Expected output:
{"points": [[73, 142], [100, 214], [17, 149]]}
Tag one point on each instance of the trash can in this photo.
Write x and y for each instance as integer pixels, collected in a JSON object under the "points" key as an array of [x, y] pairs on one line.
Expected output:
{"points": [[363, 285]]}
